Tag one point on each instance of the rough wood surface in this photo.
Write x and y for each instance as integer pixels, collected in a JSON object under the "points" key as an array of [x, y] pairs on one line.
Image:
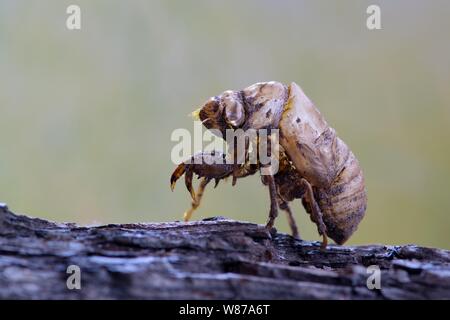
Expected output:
{"points": [[211, 259]]}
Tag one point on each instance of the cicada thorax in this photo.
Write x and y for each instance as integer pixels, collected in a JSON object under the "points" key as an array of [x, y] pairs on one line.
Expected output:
{"points": [[264, 103], [326, 162]]}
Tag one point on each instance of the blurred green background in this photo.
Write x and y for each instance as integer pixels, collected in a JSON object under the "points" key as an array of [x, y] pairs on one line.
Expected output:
{"points": [[86, 116]]}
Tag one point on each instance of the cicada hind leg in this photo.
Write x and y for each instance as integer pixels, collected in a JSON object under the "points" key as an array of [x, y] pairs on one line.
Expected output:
{"points": [[311, 206]]}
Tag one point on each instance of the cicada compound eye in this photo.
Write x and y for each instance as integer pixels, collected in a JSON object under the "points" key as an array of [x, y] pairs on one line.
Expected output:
{"points": [[211, 113], [233, 109]]}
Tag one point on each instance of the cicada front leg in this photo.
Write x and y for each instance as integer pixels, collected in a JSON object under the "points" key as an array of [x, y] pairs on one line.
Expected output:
{"points": [[197, 199], [208, 165]]}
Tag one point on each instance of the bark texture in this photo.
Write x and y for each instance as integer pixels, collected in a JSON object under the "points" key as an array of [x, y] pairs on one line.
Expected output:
{"points": [[215, 258]]}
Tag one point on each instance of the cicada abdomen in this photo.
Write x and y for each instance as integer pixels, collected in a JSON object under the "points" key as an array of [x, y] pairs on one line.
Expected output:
{"points": [[326, 162]]}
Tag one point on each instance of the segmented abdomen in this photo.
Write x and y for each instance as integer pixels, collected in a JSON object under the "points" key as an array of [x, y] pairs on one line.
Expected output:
{"points": [[343, 203]]}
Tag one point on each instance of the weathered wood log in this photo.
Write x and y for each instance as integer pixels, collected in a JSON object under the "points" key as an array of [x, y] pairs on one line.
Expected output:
{"points": [[215, 258]]}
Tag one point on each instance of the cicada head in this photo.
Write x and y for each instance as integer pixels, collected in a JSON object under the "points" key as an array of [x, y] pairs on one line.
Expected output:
{"points": [[222, 112], [257, 106]]}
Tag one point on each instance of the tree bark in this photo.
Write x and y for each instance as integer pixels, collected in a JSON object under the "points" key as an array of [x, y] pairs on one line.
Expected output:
{"points": [[216, 258]]}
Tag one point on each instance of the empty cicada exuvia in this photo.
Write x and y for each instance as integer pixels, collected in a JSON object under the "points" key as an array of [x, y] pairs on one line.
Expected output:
{"points": [[315, 165]]}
